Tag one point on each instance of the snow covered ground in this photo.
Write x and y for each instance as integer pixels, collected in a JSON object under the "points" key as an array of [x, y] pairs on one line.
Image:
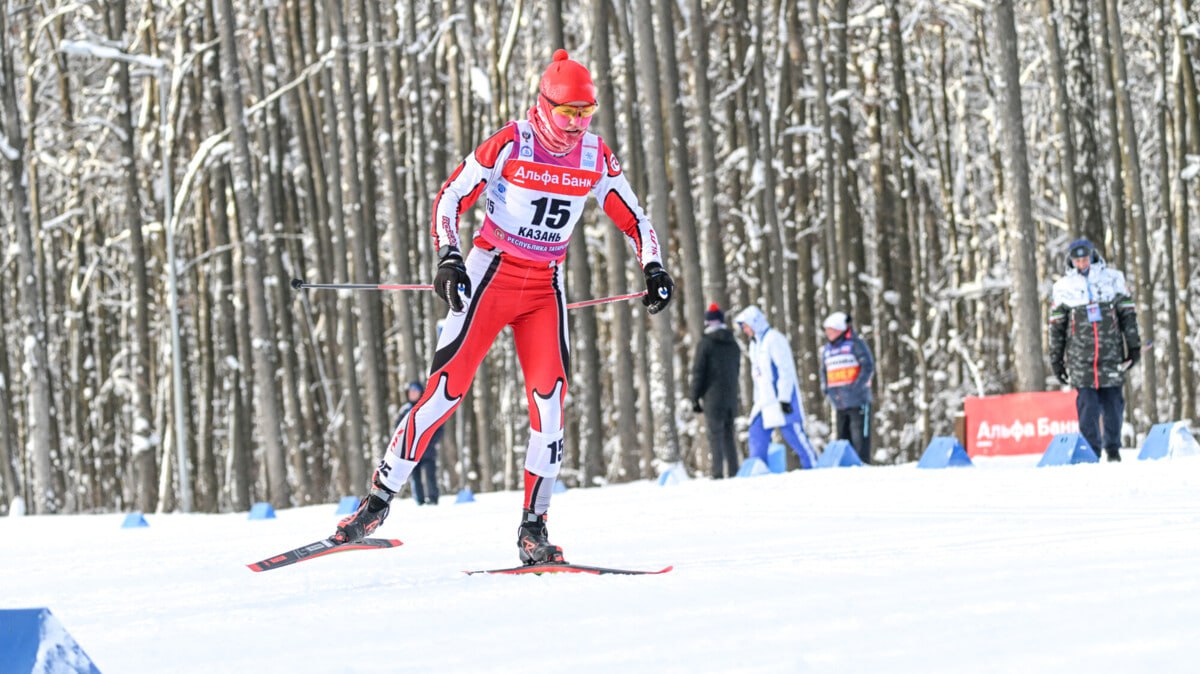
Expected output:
{"points": [[999, 568]]}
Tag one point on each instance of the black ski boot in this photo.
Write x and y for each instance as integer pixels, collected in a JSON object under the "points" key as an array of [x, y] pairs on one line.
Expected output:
{"points": [[370, 514], [533, 541]]}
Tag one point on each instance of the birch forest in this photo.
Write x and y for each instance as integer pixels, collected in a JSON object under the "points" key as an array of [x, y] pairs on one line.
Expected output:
{"points": [[168, 167]]}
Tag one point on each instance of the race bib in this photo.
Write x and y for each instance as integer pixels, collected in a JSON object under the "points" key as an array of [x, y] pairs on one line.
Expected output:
{"points": [[1093, 311]]}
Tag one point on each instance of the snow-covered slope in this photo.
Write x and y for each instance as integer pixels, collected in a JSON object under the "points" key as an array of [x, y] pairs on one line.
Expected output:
{"points": [[999, 568]]}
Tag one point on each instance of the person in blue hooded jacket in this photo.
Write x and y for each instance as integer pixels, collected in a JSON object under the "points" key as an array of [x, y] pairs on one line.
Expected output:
{"points": [[776, 399], [846, 370]]}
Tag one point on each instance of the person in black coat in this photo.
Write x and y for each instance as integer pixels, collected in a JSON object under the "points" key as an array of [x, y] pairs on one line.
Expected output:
{"points": [[715, 389]]}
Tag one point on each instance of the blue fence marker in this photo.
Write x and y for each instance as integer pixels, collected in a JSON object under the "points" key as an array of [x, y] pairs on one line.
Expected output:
{"points": [[27, 633], [839, 454], [1168, 440], [944, 451], [777, 457], [753, 467], [465, 496], [1067, 449], [134, 520], [262, 511], [347, 505]]}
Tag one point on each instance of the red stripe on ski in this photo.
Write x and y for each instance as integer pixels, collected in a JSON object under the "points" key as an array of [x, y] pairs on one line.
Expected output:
{"points": [[569, 568]]}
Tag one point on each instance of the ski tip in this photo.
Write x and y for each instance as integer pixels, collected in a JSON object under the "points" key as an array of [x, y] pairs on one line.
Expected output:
{"points": [[254, 567]]}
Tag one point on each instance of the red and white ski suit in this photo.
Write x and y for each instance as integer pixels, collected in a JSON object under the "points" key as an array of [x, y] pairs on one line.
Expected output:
{"points": [[534, 200]]}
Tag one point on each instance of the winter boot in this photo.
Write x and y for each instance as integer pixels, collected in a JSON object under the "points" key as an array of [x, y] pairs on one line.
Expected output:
{"points": [[370, 514], [533, 541]]}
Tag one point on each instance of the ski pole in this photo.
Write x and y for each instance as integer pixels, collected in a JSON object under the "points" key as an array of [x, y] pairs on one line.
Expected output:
{"points": [[298, 284], [605, 300]]}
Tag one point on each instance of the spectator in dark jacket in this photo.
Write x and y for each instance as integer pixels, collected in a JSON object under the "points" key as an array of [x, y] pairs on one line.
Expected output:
{"points": [[424, 476], [846, 370], [1093, 341], [715, 389]]}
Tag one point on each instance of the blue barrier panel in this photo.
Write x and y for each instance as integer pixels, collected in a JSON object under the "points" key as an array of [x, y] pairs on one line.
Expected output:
{"points": [[839, 454], [262, 511], [33, 640], [133, 520], [465, 496], [347, 505], [1068, 449], [559, 487], [676, 474], [1168, 440], [753, 466], [944, 451], [777, 457]]}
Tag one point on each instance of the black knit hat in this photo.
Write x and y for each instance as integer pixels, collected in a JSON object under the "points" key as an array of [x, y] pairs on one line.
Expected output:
{"points": [[714, 313]]}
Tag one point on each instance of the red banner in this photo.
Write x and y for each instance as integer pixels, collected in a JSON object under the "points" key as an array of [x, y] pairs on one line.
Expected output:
{"points": [[1018, 423]]}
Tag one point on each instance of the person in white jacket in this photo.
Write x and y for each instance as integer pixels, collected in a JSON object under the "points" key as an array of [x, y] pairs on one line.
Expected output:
{"points": [[776, 399]]}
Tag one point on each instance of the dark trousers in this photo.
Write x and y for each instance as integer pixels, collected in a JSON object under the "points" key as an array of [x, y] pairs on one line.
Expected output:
{"points": [[425, 477], [720, 441], [854, 424], [1106, 403]]}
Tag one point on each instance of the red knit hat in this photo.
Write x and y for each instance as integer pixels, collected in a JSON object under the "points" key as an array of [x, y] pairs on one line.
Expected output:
{"points": [[567, 81]]}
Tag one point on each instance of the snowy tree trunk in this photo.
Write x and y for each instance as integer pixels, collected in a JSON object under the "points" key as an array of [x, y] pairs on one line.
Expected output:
{"points": [[36, 367], [1022, 235], [1118, 243], [275, 214], [617, 258], [399, 267], [263, 345], [145, 437], [663, 394], [1187, 139], [1062, 108], [1172, 362], [8, 436], [355, 455], [715, 282], [691, 282], [368, 341], [1133, 186], [834, 273], [1079, 73]]}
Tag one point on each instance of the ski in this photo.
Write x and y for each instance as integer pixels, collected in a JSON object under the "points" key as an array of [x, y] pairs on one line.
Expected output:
{"points": [[321, 548], [539, 569]]}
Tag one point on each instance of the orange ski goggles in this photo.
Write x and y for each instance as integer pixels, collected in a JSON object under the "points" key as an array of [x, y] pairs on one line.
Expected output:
{"points": [[572, 111]]}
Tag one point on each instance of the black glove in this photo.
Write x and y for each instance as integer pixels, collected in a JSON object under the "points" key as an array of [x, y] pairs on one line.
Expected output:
{"points": [[697, 407], [786, 407], [1135, 354], [452, 276], [1060, 371], [658, 287]]}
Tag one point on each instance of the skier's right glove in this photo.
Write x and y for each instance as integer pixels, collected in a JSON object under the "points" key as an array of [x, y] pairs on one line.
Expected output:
{"points": [[1060, 371], [786, 407], [697, 407], [659, 287], [452, 279]]}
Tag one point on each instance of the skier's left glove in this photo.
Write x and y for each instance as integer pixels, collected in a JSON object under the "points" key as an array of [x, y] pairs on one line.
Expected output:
{"points": [[659, 287], [786, 407], [452, 279]]}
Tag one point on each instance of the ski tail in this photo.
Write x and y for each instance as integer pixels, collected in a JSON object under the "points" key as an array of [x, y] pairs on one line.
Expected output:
{"points": [[320, 548]]}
